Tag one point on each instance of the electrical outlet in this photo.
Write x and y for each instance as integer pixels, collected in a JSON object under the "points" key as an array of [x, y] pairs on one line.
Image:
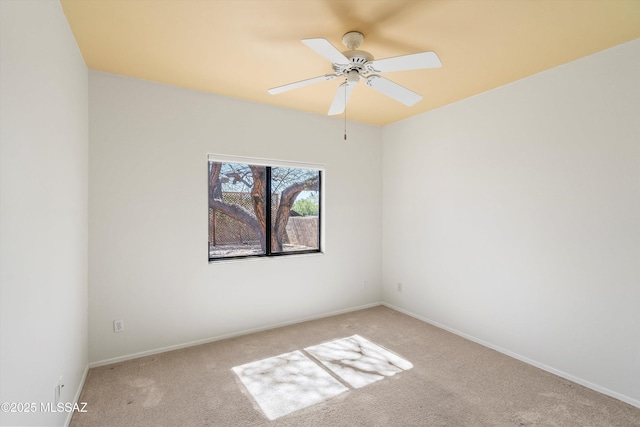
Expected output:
{"points": [[364, 285], [399, 287], [118, 325], [58, 390]]}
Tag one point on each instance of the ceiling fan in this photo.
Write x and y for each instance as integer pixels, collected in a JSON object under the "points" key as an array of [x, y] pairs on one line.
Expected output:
{"points": [[355, 64]]}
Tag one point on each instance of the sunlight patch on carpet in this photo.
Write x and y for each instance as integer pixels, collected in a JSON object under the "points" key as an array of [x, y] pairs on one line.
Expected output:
{"points": [[292, 381], [286, 383], [358, 361]]}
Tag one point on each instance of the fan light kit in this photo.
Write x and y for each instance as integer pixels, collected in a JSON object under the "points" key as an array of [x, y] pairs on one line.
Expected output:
{"points": [[355, 64]]}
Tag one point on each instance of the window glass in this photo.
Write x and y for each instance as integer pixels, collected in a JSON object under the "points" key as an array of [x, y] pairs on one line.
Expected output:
{"points": [[244, 198], [295, 209]]}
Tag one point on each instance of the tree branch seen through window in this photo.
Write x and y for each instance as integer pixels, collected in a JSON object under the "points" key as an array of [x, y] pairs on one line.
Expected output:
{"points": [[250, 205]]}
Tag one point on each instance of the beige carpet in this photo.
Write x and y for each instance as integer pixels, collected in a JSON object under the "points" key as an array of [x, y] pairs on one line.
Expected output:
{"points": [[453, 382]]}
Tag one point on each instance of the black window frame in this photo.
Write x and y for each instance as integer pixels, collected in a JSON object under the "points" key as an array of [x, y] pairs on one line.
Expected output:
{"points": [[268, 198]]}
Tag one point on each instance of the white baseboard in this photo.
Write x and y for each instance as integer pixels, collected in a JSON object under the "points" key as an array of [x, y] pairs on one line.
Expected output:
{"points": [[225, 336], [77, 395], [592, 386]]}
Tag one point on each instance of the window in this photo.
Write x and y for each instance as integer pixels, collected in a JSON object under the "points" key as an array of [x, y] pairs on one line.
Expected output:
{"points": [[262, 208]]}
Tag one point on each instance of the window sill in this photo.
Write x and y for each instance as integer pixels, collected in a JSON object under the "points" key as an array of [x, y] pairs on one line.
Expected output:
{"points": [[263, 257]]}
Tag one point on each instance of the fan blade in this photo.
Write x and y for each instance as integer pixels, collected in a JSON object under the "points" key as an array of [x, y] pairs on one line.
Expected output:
{"points": [[327, 50], [405, 62], [340, 100], [392, 90], [301, 83]]}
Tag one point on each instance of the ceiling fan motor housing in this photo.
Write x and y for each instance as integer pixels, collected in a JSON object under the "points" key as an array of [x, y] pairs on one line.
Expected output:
{"points": [[357, 60], [358, 56]]}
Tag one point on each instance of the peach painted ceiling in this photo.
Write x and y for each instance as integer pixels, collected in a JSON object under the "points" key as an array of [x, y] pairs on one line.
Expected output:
{"points": [[241, 48]]}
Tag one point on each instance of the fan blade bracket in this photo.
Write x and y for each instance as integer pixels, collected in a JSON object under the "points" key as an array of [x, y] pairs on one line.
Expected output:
{"points": [[369, 79], [342, 68], [370, 68]]}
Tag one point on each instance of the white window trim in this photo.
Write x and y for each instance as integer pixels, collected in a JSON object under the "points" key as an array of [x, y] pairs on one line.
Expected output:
{"points": [[220, 158]]}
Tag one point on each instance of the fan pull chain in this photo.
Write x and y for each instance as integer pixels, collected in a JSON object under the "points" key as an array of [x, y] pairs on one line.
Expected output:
{"points": [[345, 110]]}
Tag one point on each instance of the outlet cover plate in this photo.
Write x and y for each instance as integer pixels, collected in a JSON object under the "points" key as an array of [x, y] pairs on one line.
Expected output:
{"points": [[118, 325]]}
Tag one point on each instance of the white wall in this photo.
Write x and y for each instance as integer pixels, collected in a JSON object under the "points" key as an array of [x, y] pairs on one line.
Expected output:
{"points": [[513, 217], [43, 213], [148, 217]]}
